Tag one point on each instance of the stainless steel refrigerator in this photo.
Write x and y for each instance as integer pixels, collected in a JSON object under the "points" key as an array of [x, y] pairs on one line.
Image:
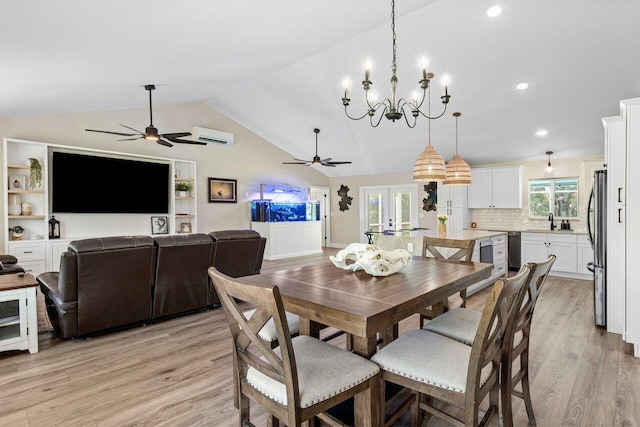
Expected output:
{"points": [[597, 226]]}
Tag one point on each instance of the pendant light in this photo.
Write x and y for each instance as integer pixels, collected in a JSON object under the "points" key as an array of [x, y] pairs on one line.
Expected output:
{"points": [[458, 171], [429, 165], [549, 168]]}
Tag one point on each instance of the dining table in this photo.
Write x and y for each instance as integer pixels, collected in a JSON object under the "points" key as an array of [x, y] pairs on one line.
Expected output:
{"points": [[367, 307]]}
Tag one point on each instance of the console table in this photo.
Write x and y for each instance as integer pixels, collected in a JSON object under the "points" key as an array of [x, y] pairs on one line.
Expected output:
{"points": [[18, 313]]}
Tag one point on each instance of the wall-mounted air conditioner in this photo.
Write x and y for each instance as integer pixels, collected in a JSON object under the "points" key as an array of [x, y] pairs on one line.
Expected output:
{"points": [[211, 136]]}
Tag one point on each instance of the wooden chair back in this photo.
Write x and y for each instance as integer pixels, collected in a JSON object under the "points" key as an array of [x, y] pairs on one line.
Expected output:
{"points": [[486, 351], [433, 245], [512, 350], [280, 367], [430, 245]]}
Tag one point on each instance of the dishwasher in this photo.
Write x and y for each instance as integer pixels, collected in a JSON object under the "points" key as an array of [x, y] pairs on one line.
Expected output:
{"points": [[515, 260]]}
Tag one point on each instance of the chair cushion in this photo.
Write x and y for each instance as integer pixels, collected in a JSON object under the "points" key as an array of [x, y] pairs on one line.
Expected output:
{"points": [[268, 331], [429, 358], [324, 371], [459, 324]]}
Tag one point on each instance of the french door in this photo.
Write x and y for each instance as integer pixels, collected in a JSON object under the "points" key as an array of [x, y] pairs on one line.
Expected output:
{"points": [[388, 208]]}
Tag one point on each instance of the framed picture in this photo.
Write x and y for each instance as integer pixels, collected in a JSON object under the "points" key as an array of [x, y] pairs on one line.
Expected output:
{"points": [[223, 190], [159, 225], [17, 182], [185, 227]]}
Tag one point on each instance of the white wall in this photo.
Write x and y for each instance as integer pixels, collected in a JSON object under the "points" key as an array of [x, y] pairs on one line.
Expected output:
{"points": [[251, 160]]}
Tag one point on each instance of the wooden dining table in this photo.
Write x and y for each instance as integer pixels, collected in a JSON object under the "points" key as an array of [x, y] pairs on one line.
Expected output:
{"points": [[366, 306]]}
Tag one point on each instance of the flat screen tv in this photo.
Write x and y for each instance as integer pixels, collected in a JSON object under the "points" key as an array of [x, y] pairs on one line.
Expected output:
{"points": [[92, 184]]}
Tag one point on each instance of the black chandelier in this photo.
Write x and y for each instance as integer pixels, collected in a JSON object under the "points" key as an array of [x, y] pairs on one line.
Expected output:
{"points": [[395, 109]]}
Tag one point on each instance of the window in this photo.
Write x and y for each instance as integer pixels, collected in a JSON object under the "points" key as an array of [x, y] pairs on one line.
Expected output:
{"points": [[558, 196]]}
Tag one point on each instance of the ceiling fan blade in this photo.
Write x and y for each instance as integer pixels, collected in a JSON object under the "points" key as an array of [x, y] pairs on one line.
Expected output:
{"points": [[131, 139], [326, 160], [128, 127], [109, 132], [164, 142], [338, 163], [329, 165], [303, 160], [181, 141], [296, 163], [175, 135]]}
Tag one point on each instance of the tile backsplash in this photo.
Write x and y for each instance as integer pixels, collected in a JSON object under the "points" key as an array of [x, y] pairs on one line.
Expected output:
{"points": [[518, 219]]}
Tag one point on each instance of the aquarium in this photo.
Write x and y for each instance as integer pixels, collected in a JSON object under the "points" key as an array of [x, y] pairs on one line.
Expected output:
{"points": [[268, 211]]}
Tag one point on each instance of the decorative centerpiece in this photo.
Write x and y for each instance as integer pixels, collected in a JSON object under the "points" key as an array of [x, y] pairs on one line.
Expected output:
{"points": [[442, 226], [371, 258]]}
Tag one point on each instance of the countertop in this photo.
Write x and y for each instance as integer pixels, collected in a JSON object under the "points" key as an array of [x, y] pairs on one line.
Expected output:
{"points": [[531, 230]]}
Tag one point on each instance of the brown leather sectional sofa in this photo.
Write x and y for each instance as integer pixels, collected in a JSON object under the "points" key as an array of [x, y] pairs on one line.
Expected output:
{"points": [[114, 282]]}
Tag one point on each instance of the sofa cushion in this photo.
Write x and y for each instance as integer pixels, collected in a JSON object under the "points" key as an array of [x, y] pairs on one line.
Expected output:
{"points": [[110, 243], [234, 235]]}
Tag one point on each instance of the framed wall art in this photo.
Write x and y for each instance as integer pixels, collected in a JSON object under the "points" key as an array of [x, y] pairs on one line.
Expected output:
{"points": [[17, 182], [185, 227], [159, 225], [223, 190]]}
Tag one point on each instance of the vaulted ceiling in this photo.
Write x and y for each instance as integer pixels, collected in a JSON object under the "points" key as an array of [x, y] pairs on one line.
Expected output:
{"points": [[276, 67]]}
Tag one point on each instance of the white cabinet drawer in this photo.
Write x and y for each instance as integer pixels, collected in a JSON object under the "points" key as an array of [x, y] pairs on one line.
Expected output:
{"points": [[584, 238], [534, 237], [561, 238], [498, 240], [34, 267], [27, 251]]}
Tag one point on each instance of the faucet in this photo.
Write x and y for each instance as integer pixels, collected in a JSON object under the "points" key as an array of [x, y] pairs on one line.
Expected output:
{"points": [[553, 226]]}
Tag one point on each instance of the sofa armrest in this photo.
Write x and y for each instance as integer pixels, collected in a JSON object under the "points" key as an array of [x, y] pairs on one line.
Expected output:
{"points": [[8, 260]]}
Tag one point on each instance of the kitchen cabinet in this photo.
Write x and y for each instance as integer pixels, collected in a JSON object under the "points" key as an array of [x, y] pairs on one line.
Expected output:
{"points": [[585, 254], [452, 201], [499, 188], [615, 158], [537, 247]]}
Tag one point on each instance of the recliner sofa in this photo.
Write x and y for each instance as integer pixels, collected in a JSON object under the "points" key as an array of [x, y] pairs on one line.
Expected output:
{"points": [[8, 265], [115, 282]]}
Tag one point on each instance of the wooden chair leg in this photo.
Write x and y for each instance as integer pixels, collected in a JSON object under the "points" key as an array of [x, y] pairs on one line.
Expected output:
{"points": [[244, 412], [272, 421], [415, 410], [506, 387], [526, 393]]}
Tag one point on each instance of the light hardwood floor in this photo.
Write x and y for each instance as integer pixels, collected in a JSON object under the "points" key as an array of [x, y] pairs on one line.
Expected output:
{"points": [[178, 372]]}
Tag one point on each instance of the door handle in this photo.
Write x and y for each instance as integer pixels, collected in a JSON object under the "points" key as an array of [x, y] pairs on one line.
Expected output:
{"points": [[590, 267], [619, 215], [620, 194]]}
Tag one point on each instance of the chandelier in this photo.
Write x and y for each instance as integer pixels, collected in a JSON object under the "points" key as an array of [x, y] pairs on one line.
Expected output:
{"points": [[393, 108]]}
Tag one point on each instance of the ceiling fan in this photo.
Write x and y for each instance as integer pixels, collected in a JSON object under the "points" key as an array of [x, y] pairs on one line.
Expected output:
{"points": [[151, 132], [316, 159]]}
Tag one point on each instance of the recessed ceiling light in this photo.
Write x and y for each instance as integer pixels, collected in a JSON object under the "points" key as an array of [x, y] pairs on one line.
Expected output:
{"points": [[522, 86], [494, 11], [542, 133]]}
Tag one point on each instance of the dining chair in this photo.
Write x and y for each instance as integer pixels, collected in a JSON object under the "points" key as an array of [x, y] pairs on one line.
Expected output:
{"points": [[460, 324], [441, 248], [460, 376], [302, 377]]}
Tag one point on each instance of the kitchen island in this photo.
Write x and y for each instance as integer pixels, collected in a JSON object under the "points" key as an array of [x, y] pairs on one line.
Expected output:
{"points": [[491, 246]]}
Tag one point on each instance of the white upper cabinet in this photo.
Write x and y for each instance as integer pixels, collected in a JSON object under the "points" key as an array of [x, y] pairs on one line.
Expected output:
{"points": [[499, 188]]}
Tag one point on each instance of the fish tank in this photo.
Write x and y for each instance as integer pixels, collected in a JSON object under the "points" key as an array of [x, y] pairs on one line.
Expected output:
{"points": [[270, 211]]}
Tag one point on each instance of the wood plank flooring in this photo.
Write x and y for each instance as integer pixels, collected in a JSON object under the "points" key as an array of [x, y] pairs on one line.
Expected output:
{"points": [[178, 372]]}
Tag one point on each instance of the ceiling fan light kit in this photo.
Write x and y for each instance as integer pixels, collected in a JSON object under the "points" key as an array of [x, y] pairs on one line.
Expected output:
{"points": [[393, 108], [316, 159], [151, 132]]}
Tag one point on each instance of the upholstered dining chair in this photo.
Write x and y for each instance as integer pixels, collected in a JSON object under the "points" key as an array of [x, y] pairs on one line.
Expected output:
{"points": [[461, 376], [460, 324], [435, 247], [302, 377]]}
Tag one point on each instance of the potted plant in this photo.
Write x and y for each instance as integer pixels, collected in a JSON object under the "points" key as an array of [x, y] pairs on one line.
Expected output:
{"points": [[35, 173], [16, 232], [183, 188]]}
